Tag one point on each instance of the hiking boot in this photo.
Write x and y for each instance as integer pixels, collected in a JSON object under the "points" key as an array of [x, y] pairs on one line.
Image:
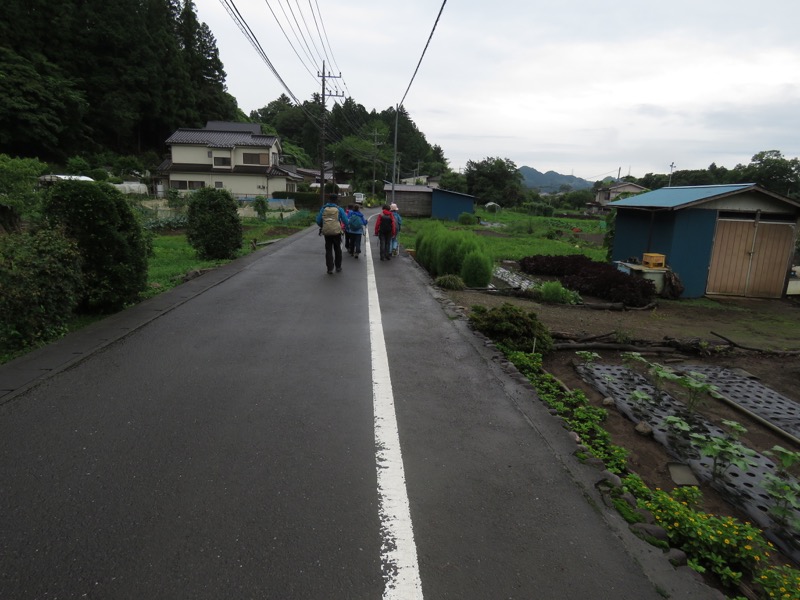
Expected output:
{"points": [[330, 272], [339, 269]]}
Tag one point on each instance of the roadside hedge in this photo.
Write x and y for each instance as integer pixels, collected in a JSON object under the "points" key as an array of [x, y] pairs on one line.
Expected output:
{"points": [[40, 276], [109, 238]]}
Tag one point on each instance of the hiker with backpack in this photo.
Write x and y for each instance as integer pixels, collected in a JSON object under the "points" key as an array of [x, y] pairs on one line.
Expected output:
{"points": [[332, 221], [348, 238], [356, 223], [385, 229], [398, 222]]}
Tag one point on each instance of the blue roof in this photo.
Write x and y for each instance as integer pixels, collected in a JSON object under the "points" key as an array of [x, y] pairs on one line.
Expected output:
{"points": [[675, 197]]}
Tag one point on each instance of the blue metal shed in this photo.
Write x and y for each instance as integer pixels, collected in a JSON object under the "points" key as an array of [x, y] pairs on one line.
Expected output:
{"points": [[719, 239], [449, 205]]}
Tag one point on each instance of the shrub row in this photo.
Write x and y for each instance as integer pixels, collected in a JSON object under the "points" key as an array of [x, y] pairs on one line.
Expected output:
{"points": [[445, 252], [40, 279], [590, 278]]}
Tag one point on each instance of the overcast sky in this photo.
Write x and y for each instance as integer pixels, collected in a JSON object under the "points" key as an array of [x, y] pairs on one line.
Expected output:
{"points": [[582, 87]]}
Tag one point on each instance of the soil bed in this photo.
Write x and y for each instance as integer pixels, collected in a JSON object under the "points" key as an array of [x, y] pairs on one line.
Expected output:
{"points": [[765, 324]]}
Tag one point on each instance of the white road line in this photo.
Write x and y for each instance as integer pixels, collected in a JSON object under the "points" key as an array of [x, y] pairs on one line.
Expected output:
{"points": [[398, 550]]}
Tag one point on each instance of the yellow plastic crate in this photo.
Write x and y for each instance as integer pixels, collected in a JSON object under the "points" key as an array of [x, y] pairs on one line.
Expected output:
{"points": [[654, 261]]}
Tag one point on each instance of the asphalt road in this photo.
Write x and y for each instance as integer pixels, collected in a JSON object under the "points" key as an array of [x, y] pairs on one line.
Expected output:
{"points": [[219, 441]]}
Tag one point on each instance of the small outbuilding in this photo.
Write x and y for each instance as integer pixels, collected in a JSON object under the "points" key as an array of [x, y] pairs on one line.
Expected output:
{"points": [[424, 201], [735, 240]]}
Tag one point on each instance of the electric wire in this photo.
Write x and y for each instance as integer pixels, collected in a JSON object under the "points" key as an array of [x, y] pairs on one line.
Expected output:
{"points": [[298, 33], [310, 72], [423, 52]]}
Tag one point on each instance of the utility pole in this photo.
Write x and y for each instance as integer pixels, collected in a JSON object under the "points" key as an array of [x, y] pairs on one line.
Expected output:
{"points": [[671, 166], [376, 144], [325, 92]]}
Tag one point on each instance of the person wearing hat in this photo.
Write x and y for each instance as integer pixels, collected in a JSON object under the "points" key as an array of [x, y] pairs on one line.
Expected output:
{"points": [[385, 229], [398, 221]]}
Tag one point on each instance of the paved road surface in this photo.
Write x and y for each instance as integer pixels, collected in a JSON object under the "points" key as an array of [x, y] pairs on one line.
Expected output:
{"points": [[240, 437]]}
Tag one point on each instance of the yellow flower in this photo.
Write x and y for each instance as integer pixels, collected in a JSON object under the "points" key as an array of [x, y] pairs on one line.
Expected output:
{"points": [[727, 541]]}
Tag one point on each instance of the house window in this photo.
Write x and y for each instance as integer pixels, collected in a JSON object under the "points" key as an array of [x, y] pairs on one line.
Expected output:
{"points": [[210, 154], [253, 158], [218, 184], [222, 161], [291, 187], [196, 185], [179, 185]]}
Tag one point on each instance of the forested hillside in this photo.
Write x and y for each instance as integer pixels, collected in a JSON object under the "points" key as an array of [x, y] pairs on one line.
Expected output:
{"points": [[91, 76]]}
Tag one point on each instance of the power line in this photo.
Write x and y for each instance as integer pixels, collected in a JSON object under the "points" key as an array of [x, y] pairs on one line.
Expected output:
{"points": [[310, 72], [423, 51]]}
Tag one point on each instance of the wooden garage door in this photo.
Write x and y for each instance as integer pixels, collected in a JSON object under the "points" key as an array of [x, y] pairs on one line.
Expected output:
{"points": [[750, 258]]}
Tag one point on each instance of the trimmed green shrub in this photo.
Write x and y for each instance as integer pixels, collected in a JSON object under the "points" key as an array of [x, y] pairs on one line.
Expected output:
{"points": [[513, 328], [450, 249], [425, 243], [450, 282], [214, 229], [477, 269], [112, 245], [40, 276]]}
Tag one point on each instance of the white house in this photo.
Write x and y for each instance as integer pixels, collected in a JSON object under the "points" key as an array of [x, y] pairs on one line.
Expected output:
{"points": [[232, 156]]}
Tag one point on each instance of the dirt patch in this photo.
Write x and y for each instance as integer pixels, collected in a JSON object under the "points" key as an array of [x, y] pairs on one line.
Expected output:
{"points": [[766, 324]]}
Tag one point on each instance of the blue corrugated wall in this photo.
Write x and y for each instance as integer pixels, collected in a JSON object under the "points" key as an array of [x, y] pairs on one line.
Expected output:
{"points": [[686, 237], [449, 205]]}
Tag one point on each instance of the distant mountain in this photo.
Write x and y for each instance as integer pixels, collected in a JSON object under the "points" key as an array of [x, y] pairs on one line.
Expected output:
{"points": [[551, 181]]}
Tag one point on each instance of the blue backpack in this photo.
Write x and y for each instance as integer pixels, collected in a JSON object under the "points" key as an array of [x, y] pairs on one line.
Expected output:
{"points": [[355, 223]]}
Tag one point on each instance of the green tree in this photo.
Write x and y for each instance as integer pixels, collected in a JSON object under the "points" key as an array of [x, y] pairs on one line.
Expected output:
{"points": [[18, 198], [495, 180], [455, 182], [773, 172]]}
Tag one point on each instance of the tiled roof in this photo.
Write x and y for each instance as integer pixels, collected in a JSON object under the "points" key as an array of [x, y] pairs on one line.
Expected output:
{"points": [[221, 139]]}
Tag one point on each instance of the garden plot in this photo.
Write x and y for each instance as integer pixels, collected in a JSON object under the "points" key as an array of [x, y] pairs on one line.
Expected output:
{"points": [[738, 473]]}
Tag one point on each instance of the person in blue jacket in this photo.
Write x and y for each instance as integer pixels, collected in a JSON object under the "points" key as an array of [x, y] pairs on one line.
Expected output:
{"points": [[356, 223], [398, 221], [332, 222]]}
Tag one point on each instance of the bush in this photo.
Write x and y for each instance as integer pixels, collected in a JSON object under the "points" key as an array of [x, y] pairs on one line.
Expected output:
{"points": [[477, 269], [450, 282], [554, 293], [424, 244], [214, 229], [450, 248], [468, 219], [513, 328], [110, 240], [40, 276]]}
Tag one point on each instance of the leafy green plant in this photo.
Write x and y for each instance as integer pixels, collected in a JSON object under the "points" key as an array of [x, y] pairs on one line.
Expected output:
{"points": [[553, 292], [724, 451], [214, 229], [261, 206], [783, 488], [587, 357]]}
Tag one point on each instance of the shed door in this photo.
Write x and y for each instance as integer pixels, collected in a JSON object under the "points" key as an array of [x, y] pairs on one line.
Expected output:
{"points": [[750, 258]]}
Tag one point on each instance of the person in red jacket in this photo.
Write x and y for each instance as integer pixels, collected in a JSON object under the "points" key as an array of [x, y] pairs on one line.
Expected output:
{"points": [[385, 229]]}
